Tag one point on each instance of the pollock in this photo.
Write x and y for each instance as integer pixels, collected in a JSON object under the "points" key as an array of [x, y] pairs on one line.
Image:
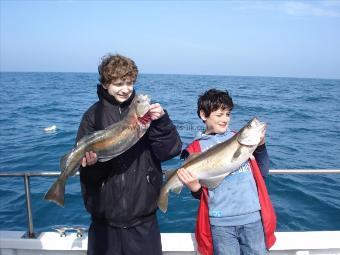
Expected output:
{"points": [[107, 144], [214, 164]]}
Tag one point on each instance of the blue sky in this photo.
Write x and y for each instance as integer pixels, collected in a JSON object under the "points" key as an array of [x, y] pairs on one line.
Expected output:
{"points": [[247, 38]]}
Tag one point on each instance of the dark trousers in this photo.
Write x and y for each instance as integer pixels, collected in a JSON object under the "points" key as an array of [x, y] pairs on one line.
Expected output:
{"points": [[144, 239]]}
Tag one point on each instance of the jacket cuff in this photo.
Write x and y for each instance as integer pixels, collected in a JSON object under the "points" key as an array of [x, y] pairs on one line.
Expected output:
{"points": [[184, 154], [197, 194], [261, 148], [162, 121]]}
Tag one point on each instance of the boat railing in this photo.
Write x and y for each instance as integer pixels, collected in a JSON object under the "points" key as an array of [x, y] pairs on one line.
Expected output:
{"points": [[27, 175]]}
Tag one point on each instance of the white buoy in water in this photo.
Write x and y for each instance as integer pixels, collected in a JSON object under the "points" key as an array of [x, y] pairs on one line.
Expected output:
{"points": [[50, 129]]}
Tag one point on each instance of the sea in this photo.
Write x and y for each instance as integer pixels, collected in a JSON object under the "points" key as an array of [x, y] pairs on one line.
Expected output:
{"points": [[303, 117]]}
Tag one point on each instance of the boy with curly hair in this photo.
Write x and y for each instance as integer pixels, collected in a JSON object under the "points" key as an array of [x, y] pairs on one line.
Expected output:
{"points": [[121, 194]]}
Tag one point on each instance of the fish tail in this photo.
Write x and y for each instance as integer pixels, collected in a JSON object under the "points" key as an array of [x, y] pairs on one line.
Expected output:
{"points": [[56, 193], [163, 200]]}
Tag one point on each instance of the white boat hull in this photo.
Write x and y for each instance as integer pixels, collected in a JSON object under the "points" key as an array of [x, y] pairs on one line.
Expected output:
{"points": [[51, 243]]}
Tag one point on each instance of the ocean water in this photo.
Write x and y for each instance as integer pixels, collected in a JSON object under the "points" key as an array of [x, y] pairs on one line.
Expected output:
{"points": [[303, 117]]}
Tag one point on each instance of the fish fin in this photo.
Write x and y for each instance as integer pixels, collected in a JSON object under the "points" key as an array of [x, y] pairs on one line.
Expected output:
{"points": [[104, 159], [212, 183], [112, 126], [63, 161], [191, 157], [236, 155], [169, 173], [75, 170], [163, 200], [177, 189], [83, 139], [56, 192], [108, 155]]}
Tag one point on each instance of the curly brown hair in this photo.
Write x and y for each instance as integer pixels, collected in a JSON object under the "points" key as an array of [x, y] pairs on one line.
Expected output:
{"points": [[115, 67]]}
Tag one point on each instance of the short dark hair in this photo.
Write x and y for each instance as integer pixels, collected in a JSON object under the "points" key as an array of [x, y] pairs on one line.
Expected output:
{"points": [[212, 100], [115, 67]]}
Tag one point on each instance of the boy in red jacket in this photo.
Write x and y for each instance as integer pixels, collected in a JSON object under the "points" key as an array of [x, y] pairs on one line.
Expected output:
{"points": [[241, 217]]}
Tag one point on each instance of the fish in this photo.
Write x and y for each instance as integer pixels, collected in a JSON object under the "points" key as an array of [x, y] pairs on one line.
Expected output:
{"points": [[107, 144], [214, 164]]}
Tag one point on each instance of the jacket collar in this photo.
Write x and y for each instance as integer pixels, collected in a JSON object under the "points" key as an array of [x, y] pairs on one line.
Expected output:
{"points": [[103, 95], [202, 136]]}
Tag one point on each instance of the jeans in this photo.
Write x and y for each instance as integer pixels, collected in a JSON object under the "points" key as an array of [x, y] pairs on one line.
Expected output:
{"points": [[245, 239]]}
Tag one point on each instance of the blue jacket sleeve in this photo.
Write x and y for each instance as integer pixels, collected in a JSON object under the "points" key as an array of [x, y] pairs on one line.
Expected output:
{"points": [[164, 139], [262, 159]]}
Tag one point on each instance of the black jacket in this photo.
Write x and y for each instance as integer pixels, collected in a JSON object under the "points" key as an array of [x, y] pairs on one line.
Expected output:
{"points": [[123, 191]]}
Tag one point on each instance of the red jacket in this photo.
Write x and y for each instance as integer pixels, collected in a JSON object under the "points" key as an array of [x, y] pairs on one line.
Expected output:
{"points": [[202, 230]]}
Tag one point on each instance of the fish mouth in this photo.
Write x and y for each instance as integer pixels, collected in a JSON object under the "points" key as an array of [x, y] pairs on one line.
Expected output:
{"points": [[255, 122], [144, 112], [252, 133], [145, 98], [143, 105], [264, 127]]}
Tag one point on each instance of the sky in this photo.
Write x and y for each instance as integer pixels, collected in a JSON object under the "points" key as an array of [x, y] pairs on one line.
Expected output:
{"points": [[242, 38]]}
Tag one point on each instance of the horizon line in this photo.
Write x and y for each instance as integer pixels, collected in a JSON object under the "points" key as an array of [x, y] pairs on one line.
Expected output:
{"points": [[184, 74]]}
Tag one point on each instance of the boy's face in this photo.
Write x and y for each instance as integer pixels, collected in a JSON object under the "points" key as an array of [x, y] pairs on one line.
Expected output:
{"points": [[120, 89], [217, 122]]}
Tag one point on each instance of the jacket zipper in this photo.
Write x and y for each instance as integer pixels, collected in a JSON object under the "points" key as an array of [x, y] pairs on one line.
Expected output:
{"points": [[124, 203]]}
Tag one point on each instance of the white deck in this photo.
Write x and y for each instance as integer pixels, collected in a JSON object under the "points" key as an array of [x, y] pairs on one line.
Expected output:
{"points": [[50, 243]]}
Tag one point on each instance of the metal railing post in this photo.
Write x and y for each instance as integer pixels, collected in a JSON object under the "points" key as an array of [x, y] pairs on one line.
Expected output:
{"points": [[31, 233]]}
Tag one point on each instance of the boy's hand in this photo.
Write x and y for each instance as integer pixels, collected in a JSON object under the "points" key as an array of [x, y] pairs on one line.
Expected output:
{"points": [[156, 111], [90, 159], [188, 179]]}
